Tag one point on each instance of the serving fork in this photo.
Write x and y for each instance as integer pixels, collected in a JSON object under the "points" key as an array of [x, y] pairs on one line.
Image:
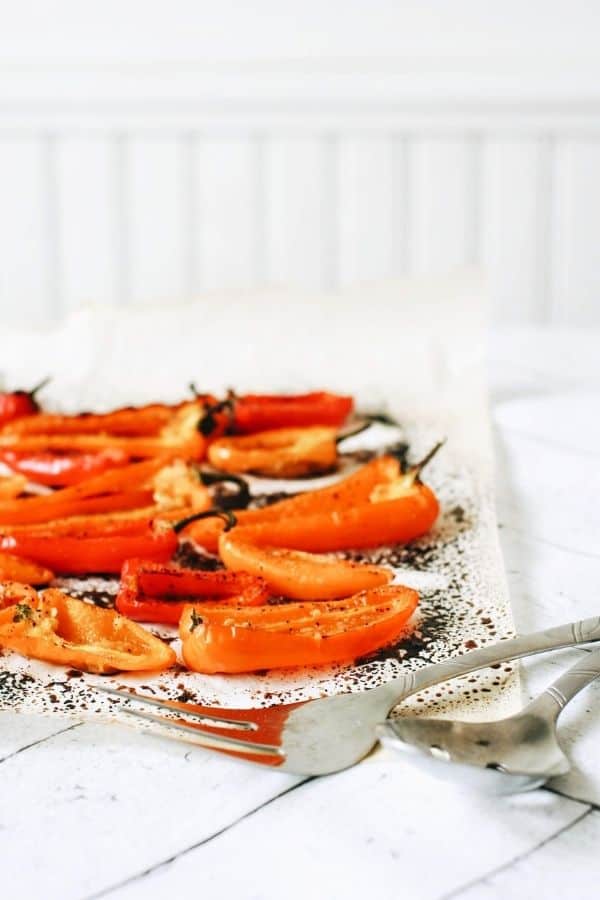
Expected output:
{"points": [[317, 737], [517, 753]]}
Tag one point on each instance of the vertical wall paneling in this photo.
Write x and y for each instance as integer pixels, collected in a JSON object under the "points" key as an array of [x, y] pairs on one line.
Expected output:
{"points": [[510, 244], [441, 209], [331, 211], [367, 198], [544, 228], [576, 239], [87, 220], [401, 199], [156, 217], [227, 204], [296, 227], [25, 263]]}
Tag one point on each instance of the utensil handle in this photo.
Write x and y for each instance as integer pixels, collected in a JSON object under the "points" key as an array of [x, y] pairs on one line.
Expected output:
{"points": [[585, 631], [554, 699]]}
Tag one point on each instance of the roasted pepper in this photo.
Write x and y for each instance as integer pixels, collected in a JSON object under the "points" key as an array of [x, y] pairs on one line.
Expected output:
{"points": [[250, 413], [82, 554], [167, 484], [62, 469], [350, 491], [90, 547], [284, 551], [11, 486], [178, 437], [129, 421], [19, 404], [58, 629], [282, 453], [150, 592], [294, 634], [15, 568]]}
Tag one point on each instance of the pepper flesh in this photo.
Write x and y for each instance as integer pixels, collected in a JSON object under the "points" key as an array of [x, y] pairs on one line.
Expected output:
{"points": [[127, 421], [12, 486], [286, 552], [281, 453], [294, 634], [260, 412], [178, 436], [24, 571], [166, 483], [62, 469], [81, 554], [352, 490], [59, 629], [156, 593]]}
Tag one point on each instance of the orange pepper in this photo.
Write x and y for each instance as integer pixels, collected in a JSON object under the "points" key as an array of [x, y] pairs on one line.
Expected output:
{"points": [[396, 512], [354, 489], [281, 453], [16, 568], [12, 486], [59, 629], [129, 487], [178, 437], [217, 639]]}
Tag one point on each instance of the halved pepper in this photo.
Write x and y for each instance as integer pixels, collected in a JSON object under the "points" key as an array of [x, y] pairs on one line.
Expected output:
{"points": [[168, 483], [216, 639], [150, 592], [82, 554], [250, 413], [126, 421], [59, 629], [24, 571], [285, 551], [350, 491], [62, 469], [179, 436], [281, 453]]}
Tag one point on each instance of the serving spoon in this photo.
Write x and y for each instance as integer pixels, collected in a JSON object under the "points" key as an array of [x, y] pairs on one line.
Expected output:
{"points": [[508, 755]]}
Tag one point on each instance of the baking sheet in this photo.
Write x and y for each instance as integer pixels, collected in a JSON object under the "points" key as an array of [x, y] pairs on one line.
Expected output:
{"points": [[416, 354]]}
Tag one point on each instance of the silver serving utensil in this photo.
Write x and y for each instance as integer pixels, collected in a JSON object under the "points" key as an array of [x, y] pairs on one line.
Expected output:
{"points": [[316, 737], [513, 754]]}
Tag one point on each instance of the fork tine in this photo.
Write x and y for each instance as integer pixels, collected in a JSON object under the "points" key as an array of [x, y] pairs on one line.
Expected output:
{"points": [[210, 740], [173, 706]]}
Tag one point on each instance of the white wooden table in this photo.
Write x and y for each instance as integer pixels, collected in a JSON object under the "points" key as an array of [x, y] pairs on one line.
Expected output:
{"points": [[89, 810]]}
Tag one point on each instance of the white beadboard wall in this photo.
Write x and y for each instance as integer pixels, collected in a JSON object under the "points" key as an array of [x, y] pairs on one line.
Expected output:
{"points": [[126, 186]]}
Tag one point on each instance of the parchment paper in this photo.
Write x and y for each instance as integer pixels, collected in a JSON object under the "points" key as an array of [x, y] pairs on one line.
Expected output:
{"points": [[412, 349]]}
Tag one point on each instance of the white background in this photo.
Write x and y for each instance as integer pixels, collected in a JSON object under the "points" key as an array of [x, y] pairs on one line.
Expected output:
{"points": [[150, 151]]}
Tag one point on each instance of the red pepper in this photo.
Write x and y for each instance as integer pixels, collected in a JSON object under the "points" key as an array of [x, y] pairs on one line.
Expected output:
{"points": [[79, 554], [250, 413], [15, 404], [63, 469], [151, 592]]}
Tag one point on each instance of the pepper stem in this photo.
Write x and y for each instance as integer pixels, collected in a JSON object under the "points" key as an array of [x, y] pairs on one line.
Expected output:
{"points": [[225, 514], [352, 431], [415, 471], [207, 424], [240, 500], [39, 386]]}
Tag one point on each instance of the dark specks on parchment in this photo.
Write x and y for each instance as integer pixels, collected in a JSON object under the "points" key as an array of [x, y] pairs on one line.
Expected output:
{"points": [[462, 606]]}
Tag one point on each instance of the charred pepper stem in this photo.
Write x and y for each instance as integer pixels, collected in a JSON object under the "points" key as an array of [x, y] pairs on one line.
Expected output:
{"points": [[38, 387], [208, 423], [415, 471], [225, 514], [352, 431], [240, 500]]}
